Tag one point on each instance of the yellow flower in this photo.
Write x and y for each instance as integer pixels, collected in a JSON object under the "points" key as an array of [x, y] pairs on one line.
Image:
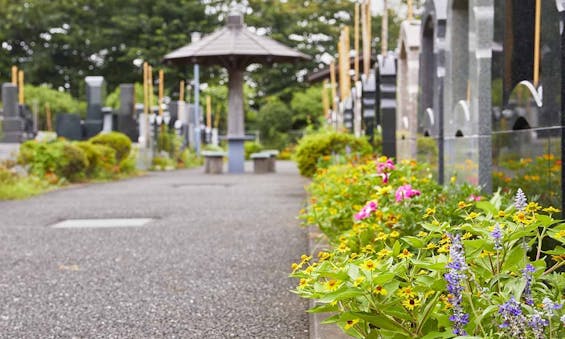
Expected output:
{"points": [[358, 281], [368, 249], [332, 285], [429, 212], [560, 235], [384, 190], [501, 214], [435, 223], [350, 323], [382, 158], [309, 269], [324, 255], [384, 252], [353, 256], [445, 239], [445, 300], [462, 205], [343, 248], [443, 249], [381, 236], [405, 254], [369, 265], [533, 207], [472, 216], [394, 234], [305, 258], [466, 236], [521, 218], [411, 303], [486, 253], [295, 266], [431, 246], [380, 290], [551, 209], [406, 292], [453, 179], [422, 234], [303, 282], [423, 272]]}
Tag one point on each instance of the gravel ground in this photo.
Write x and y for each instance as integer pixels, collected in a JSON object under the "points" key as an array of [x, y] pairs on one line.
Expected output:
{"points": [[214, 263]]}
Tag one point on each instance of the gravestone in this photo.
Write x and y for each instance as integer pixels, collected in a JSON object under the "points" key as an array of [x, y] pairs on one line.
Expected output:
{"points": [[407, 84], [69, 126], [431, 80], [386, 80], [94, 99], [126, 118], [369, 102], [467, 92], [12, 123], [348, 112]]}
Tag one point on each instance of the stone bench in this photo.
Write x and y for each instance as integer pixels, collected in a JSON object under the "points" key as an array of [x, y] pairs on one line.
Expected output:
{"points": [[213, 162], [261, 162], [273, 153]]}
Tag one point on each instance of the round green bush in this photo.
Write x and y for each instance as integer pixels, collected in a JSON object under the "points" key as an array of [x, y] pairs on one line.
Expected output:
{"points": [[101, 159], [312, 147], [118, 141], [59, 157], [251, 147]]}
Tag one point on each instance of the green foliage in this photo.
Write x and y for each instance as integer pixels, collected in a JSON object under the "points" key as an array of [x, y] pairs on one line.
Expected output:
{"points": [[101, 159], [113, 99], [410, 266], [115, 140], [189, 159], [274, 121], [251, 147], [59, 158], [14, 186], [59, 102], [320, 146], [307, 107]]}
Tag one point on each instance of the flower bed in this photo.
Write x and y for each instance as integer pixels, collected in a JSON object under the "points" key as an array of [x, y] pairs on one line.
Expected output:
{"points": [[410, 258]]}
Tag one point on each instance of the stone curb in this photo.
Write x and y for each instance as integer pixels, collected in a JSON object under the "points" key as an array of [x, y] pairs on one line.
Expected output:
{"points": [[316, 243]]}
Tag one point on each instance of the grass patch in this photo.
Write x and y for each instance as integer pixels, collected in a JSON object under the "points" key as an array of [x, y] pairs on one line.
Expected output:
{"points": [[24, 187]]}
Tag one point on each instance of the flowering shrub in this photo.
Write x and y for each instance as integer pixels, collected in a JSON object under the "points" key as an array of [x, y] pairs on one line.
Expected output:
{"points": [[465, 268]]}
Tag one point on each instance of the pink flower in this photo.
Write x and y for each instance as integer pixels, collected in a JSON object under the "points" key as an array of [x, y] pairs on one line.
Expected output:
{"points": [[366, 211], [405, 192], [384, 168], [473, 197]]}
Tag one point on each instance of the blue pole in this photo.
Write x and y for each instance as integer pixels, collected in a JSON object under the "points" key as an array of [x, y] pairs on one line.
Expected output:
{"points": [[197, 107]]}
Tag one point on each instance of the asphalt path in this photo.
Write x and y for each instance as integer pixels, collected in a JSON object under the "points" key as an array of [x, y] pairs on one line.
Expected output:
{"points": [[213, 263]]}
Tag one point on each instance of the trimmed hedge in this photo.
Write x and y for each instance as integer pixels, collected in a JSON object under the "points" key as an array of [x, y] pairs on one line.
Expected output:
{"points": [[118, 141], [313, 147]]}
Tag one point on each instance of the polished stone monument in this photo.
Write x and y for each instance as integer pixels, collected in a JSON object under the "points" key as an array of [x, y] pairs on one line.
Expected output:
{"points": [[94, 99], [12, 123], [127, 122], [407, 94], [386, 84]]}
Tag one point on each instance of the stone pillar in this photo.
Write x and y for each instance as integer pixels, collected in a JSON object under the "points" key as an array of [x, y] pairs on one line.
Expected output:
{"points": [[127, 123], [467, 100], [95, 100], [431, 78], [387, 102], [407, 85], [236, 127], [12, 124]]}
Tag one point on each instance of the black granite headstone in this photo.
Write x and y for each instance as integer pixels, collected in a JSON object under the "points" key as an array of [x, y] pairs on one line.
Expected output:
{"points": [[369, 101], [13, 125], [94, 98], [386, 80], [68, 126]]}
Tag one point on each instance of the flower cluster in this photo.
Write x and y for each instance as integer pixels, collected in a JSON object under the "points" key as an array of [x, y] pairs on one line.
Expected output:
{"points": [[527, 274], [366, 211], [455, 278], [520, 201], [384, 168], [405, 192], [496, 235], [513, 318]]}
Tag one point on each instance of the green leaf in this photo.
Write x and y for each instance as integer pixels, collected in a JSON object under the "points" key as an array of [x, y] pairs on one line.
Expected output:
{"points": [[331, 320], [379, 321], [434, 335], [323, 308], [413, 241], [341, 294], [514, 259], [487, 207], [383, 278]]}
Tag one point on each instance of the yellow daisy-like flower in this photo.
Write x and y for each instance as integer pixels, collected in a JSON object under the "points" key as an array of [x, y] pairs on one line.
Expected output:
{"points": [[368, 249], [445, 239], [380, 290], [406, 292], [405, 254], [369, 265], [394, 234], [305, 258], [384, 190], [445, 300], [350, 323], [431, 246], [486, 253], [411, 303], [560, 234], [343, 248], [551, 209], [472, 215], [353, 256], [323, 255], [501, 214], [381, 236], [422, 234], [435, 223], [332, 285], [295, 266], [462, 205], [382, 158], [303, 283], [384, 253], [467, 235], [358, 281], [533, 207], [429, 212], [521, 218], [443, 249], [309, 269]]}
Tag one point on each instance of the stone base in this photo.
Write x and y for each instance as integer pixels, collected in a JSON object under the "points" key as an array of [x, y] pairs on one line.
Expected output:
{"points": [[12, 130], [261, 163], [236, 155], [92, 127], [213, 162]]}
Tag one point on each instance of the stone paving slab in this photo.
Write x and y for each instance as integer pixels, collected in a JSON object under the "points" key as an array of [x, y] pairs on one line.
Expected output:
{"points": [[213, 264]]}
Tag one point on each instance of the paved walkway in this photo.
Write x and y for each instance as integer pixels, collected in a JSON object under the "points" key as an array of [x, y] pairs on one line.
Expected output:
{"points": [[213, 264]]}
